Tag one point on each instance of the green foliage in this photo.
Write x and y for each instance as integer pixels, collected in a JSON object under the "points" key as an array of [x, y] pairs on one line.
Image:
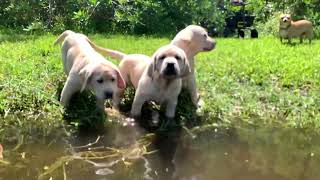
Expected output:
{"points": [[145, 16], [271, 26], [140, 17], [82, 16], [29, 75]]}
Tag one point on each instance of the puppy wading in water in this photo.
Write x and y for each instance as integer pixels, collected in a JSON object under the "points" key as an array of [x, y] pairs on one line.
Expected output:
{"points": [[161, 80], [87, 69]]}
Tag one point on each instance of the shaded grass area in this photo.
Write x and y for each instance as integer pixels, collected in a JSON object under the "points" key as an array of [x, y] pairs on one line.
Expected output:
{"points": [[259, 82]]}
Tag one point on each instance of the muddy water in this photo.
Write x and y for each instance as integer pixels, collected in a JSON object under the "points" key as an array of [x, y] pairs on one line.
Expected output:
{"points": [[243, 153]]}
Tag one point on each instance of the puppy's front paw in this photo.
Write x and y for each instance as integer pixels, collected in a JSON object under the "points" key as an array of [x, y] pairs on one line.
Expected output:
{"points": [[155, 119]]}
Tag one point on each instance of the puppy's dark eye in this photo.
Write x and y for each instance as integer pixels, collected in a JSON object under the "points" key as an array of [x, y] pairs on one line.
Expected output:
{"points": [[100, 81], [177, 57], [205, 35], [162, 57], [112, 79]]}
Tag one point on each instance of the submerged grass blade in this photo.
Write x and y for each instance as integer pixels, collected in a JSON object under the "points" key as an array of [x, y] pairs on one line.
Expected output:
{"points": [[56, 165]]}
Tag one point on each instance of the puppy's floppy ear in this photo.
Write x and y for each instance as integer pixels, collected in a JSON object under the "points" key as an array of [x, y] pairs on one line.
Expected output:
{"points": [[120, 82], [85, 75], [183, 38], [186, 36], [152, 66]]}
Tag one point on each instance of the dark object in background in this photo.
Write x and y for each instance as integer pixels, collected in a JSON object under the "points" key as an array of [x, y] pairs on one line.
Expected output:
{"points": [[254, 33], [239, 21], [240, 33]]}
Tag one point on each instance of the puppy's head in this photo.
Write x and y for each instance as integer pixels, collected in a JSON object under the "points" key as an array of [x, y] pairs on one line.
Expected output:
{"points": [[195, 38], [169, 62], [102, 79], [285, 20]]}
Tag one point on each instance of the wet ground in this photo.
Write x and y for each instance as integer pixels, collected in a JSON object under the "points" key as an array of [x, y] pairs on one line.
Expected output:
{"points": [[129, 152]]}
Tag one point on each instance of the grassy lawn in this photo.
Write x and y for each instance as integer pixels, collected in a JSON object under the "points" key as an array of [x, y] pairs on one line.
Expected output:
{"points": [[258, 82]]}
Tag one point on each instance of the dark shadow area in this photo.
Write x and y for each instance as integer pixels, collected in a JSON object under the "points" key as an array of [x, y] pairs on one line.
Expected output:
{"points": [[295, 43]]}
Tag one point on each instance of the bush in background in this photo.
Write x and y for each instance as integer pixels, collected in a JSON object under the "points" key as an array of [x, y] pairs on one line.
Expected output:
{"points": [[146, 16], [130, 16]]}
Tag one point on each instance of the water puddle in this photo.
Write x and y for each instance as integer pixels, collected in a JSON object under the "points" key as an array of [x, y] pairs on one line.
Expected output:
{"points": [[130, 152]]}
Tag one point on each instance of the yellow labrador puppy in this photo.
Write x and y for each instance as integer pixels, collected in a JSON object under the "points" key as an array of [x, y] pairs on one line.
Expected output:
{"points": [[87, 69], [193, 39], [161, 80]]}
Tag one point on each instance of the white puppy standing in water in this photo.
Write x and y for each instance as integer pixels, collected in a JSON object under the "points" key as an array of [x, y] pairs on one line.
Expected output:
{"points": [[161, 80], [87, 69]]}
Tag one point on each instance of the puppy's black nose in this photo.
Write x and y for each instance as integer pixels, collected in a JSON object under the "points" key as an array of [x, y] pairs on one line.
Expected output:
{"points": [[108, 95], [284, 20], [170, 69], [170, 65]]}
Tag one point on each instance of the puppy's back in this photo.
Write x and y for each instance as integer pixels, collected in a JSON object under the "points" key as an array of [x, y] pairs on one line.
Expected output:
{"points": [[304, 23]]}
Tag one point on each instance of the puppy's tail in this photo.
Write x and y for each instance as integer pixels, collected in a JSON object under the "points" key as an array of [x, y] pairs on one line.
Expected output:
{"points": [[107, 52], [63, 36]]}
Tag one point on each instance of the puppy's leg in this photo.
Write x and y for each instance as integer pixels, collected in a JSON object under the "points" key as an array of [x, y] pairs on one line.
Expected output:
{"points": [[68, 90], [116, 99], [301, 39], [137, 104], [192, 88], [309, 35], [171, 108]]}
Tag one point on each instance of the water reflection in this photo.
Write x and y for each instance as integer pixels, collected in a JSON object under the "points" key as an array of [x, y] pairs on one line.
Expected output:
{"points": [[127, 151], [248, 153]]}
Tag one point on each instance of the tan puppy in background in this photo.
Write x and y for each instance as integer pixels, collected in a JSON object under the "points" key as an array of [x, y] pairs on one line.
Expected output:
{"points": [[87, 69], [161, 80], [289, 29], [193, 39]]}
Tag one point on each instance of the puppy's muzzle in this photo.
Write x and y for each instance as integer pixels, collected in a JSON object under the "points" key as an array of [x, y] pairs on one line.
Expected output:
{"points": [[170, 70], [210, 47], [108, 95]]}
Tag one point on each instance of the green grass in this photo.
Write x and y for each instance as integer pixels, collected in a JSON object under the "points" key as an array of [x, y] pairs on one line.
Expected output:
{"points": [[259, 82]]}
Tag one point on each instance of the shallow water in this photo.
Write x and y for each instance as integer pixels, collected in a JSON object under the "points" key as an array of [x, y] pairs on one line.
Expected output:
{"points": [[243, 153]]}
